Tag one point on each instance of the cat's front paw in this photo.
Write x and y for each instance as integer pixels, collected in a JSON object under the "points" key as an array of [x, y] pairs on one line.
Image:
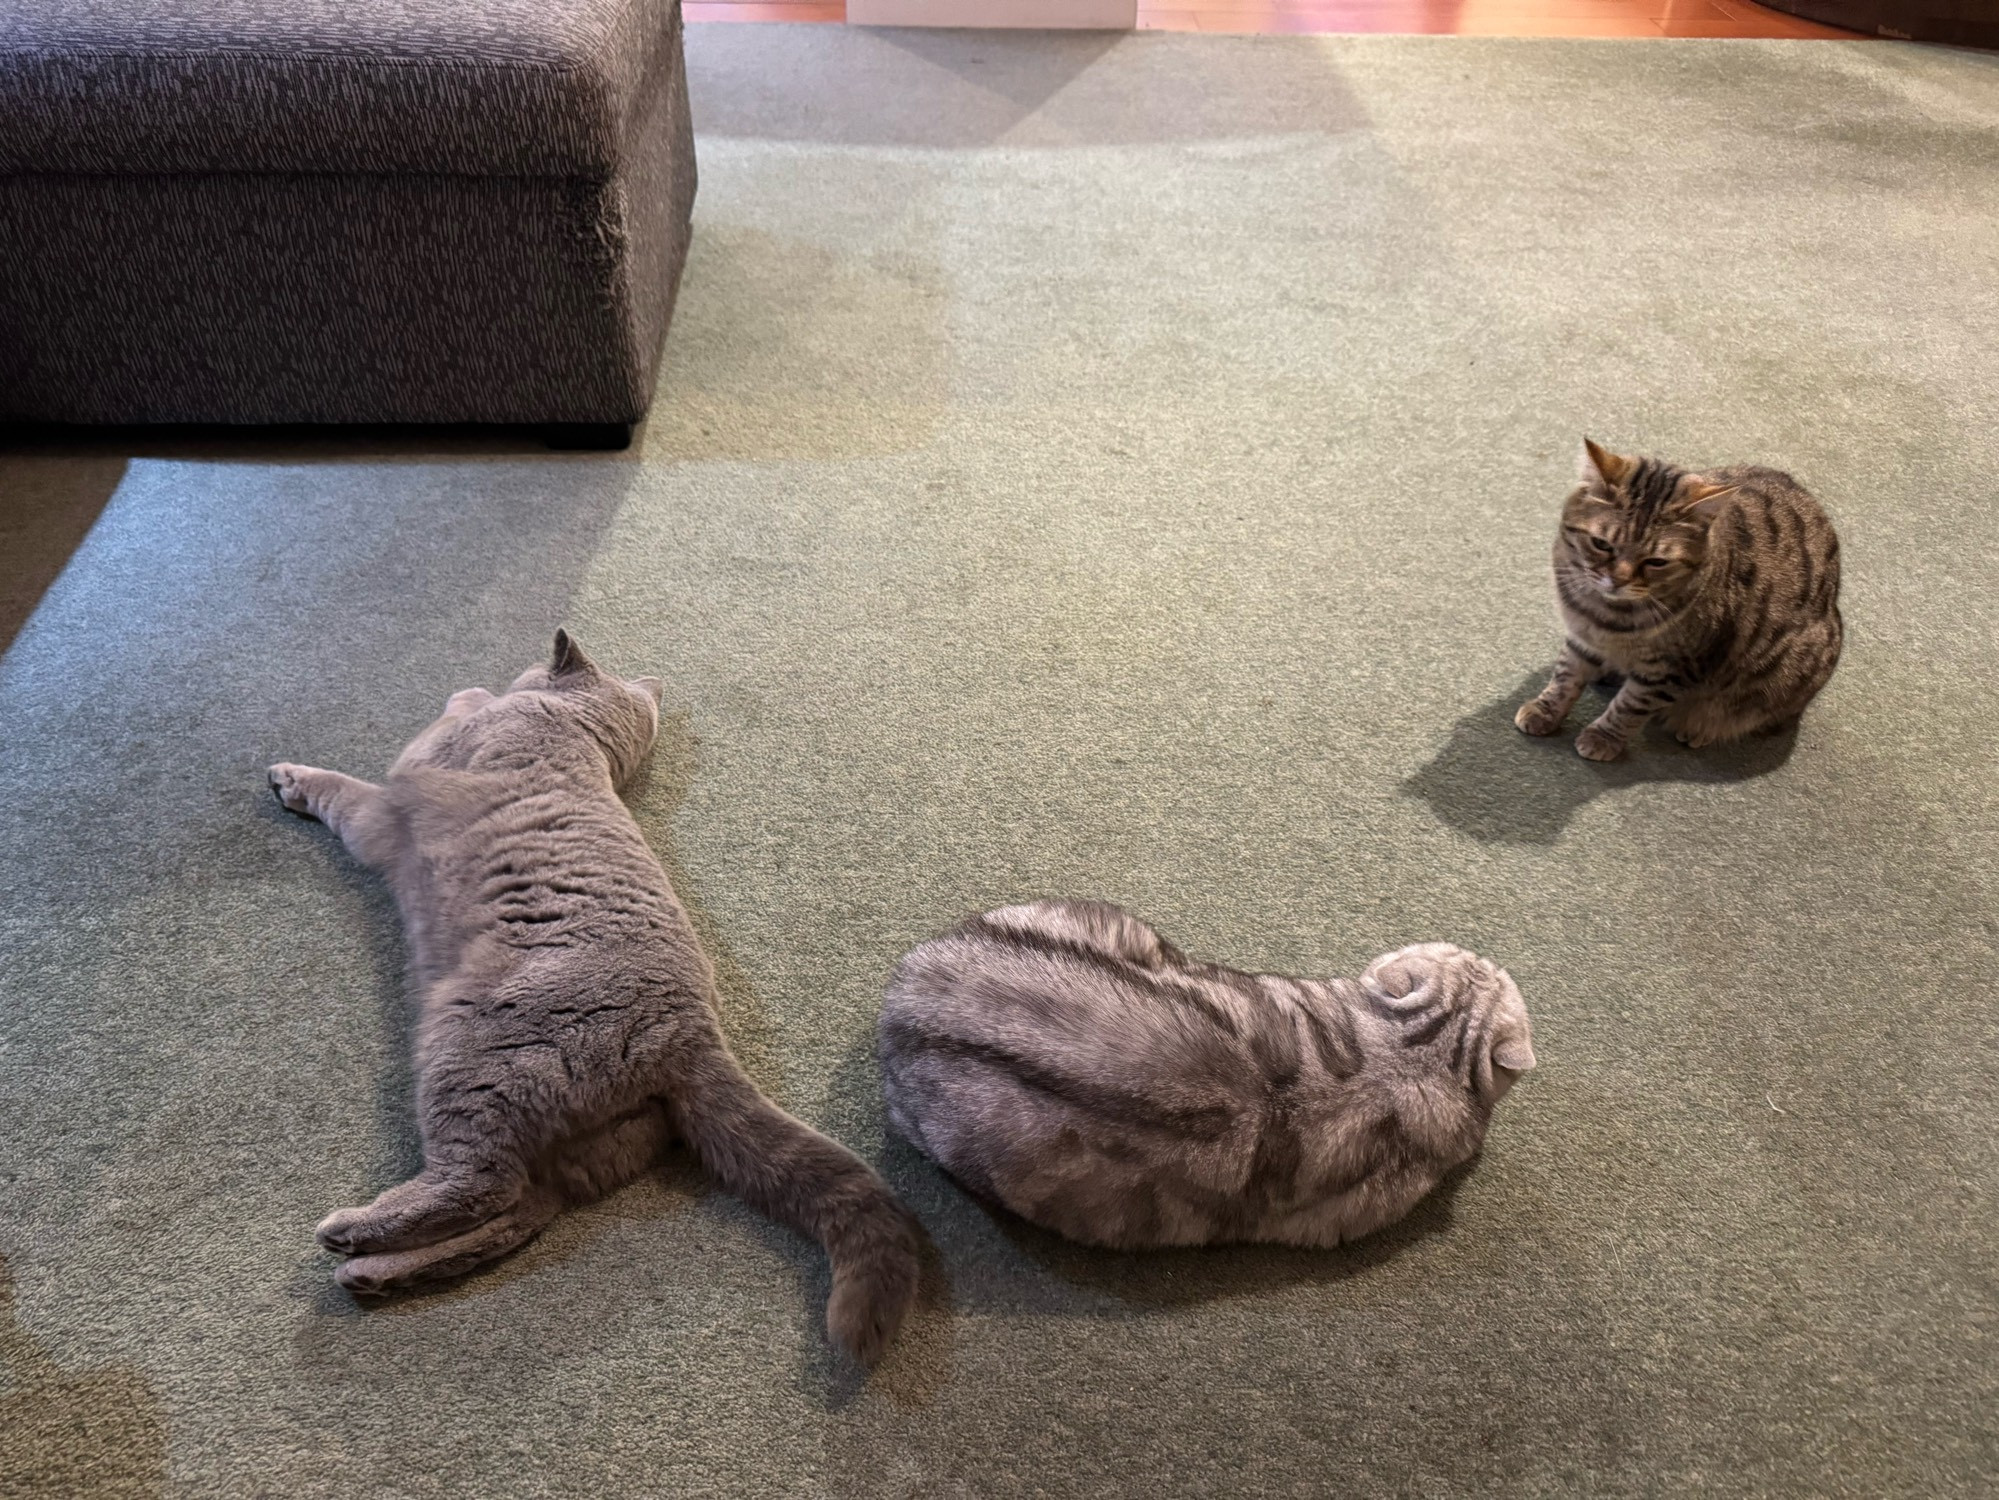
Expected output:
{"points": [[287, 783], [1537, 716], [1598, 743]]}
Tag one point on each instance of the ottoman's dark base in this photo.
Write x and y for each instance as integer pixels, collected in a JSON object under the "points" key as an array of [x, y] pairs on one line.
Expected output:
{"points": [[601, 437], [1971, 23], [324, 297]]}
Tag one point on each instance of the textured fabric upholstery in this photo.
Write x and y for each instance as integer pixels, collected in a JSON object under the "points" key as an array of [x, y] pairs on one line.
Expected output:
{"points": [[238, 211], [499, 86]]}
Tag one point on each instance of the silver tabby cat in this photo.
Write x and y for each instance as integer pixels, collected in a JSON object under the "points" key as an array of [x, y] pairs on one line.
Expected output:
{"points": [[568, 1031], [1713, 598], [1065, 1060]]}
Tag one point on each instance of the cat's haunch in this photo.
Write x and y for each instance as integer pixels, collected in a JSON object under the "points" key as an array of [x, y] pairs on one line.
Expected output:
{"points": [[1062, 1058]]}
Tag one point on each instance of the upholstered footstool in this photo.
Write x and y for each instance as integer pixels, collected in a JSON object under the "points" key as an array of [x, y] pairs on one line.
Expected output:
{"points": [[251, 211]]}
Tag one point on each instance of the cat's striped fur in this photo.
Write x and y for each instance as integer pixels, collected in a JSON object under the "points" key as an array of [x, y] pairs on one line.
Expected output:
{"points": [[1712, 598], [1065, 1060]]}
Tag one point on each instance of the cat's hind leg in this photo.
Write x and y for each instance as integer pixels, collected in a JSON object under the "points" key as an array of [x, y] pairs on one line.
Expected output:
{"points": [[491, 1109], [459, 1188], [379, 1273], [579, 1171], [431, 1206]]}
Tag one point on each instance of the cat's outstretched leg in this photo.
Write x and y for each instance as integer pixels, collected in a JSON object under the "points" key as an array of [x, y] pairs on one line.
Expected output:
{"points": [[343, 803], [490, 1116], [431, 1206], [455, 1192], [1637, 701], [580, 1170], [376, 1274], [1575, 669]]}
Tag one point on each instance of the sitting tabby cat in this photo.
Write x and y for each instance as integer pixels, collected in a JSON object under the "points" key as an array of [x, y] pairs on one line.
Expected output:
{"points": [[1714, 597], [1064, 1059], [568, 1030]]}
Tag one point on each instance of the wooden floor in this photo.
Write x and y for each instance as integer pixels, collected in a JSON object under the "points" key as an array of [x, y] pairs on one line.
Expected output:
{"points": [[1643, 18]]}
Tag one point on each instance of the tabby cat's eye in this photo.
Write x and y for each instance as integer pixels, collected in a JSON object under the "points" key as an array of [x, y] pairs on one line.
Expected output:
{"points": [[1656, 562], [1603, 548]]}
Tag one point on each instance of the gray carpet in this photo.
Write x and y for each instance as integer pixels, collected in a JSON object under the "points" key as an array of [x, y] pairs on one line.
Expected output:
{"points": [[1086, 465]]}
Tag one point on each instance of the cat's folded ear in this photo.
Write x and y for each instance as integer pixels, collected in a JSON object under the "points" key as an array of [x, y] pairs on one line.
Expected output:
{"points": [[1697, 497], [568, 656], [1599, 465], [1515, 1054]]}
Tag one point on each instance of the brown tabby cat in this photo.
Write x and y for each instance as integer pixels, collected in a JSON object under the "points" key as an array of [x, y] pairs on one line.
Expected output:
{"points": [[1713, 596], [568, 1030], [1065, 1060]]}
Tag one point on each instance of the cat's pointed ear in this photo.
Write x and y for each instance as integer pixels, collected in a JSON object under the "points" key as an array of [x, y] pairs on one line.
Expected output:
{"points": [[1600, 466], [1700, 498], [568, 656], [1515, 1054]]}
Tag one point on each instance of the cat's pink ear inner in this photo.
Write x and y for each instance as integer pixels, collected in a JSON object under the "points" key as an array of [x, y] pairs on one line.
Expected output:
{"points": [[1515, 1054], [1601, 466]]}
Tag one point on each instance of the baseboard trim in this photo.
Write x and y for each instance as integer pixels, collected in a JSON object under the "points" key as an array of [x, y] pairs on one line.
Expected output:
{"points": [[1084, 15]]}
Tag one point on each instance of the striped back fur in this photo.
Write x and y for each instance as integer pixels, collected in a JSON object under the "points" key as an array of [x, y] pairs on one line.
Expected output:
{"points": [[1712, 598], [1065, 1060]]}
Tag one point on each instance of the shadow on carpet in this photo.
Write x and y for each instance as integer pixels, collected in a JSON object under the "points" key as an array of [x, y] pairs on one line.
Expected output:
{"points": [[1504, 787]]}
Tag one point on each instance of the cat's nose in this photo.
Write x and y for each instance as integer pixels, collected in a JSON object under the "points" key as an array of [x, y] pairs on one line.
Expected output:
{"points": [[1623, 572]]}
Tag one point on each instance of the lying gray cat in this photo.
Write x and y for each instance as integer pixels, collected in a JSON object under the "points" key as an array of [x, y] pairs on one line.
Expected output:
{"points": [[568, 1030], [1064, 1059]]}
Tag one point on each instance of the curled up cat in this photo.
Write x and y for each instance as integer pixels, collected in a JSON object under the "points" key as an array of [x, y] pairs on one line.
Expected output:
{"points": [[1711, 599], [568, 1033], [1064, 1060]]}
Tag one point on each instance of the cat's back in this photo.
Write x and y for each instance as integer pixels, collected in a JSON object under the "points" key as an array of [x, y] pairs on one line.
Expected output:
{"points": [[1065, 1061], [1772, 523], [514, 838], [1075, 986]]}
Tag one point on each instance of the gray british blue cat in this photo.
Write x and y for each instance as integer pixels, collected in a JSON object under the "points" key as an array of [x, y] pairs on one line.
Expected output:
{"points": [[568, 1032]]}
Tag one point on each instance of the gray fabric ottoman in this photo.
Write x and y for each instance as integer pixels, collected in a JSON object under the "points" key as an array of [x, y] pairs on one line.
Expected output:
{"points": [[251, 211]]}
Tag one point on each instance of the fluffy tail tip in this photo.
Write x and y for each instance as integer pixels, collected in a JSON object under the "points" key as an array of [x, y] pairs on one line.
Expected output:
{"points": [[874, 1284]]}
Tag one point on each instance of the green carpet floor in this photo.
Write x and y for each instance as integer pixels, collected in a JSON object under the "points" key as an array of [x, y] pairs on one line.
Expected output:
{"points": [[1109, 466]]}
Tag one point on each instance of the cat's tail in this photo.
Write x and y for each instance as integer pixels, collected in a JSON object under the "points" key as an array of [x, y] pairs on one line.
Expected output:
{"points": [[783, 1167]]}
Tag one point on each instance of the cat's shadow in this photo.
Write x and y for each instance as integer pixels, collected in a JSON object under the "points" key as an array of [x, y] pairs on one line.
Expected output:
{"points": [[1504, 787]]}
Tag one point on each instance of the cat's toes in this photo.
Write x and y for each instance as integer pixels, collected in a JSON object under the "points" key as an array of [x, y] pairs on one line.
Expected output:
{"points": [[1597, 744], [1537, 718], [343, 1232], [361, 1277], [287, 787]]}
